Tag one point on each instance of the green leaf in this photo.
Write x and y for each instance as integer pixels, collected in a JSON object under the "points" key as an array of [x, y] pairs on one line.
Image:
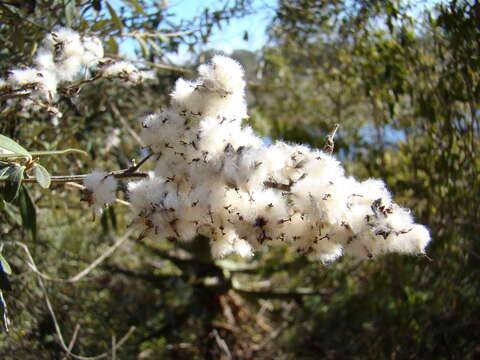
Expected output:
{"points": [[113, 217], [104, 222], [4, 168], [5, 266], [12, 212], [116, 20], [143, 45], [10, 145], [14, 181], [42, 176], [112, 45], [69, 6], [154, 45], [28, 213], [136, 6], [100, 25]]}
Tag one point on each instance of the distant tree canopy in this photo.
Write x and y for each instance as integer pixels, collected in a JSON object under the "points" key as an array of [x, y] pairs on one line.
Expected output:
{"points": [[403, 83]]}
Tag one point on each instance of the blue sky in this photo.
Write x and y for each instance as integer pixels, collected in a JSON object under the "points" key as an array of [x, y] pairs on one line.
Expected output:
{"points": [[230, 37]]}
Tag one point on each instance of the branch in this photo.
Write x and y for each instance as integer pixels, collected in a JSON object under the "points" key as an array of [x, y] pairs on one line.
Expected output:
{"points": [[6, 320], [222, 344], [129, 173], [72, 341], [124, 122], [66, 348], [181, 263], [158, 34], [277, 293], [75, 88], [81, 187], [81, 274], [152, 64], [145, 276]]}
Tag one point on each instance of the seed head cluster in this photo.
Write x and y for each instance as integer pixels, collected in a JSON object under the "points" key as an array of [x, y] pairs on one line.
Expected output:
{"points": [[64, 56], [214, 177]]}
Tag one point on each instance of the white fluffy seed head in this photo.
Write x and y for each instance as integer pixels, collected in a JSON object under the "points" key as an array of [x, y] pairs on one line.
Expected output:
{"points": [[216, 178], [22, 77], [123, 70], [101, 188], [93, 50]]}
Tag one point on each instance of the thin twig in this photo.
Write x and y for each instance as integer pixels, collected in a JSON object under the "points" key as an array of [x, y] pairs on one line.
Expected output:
{"points": [[157, 35], [114, 348], [81, 274], [329, 144], [124, 122], [222, 344], [75, 88], [135, 167], [152, 64], [81, 187], [6, 320], [72, 341], [60, 335], [119, 174]]}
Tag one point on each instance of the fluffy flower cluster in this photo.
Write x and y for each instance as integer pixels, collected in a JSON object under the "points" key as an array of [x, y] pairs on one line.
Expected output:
{"points": [[63, 56], [214, 177], [100, 188]]}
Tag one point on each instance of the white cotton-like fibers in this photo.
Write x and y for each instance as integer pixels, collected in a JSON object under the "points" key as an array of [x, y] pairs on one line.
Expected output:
{"points": [[71, 44], [100, 189], [214, 177], [123, 70], [223, 73], [93, 50], [161, 128], [47, 86], [22, 77], [219, 91], [65, 56]]}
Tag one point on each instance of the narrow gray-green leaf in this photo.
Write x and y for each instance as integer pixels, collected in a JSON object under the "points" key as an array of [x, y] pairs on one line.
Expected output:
{"points": [[143, 45], [42, 176], [13, 182], [4, 168], [12, 212], [5, 265], [115, 18], [28, 213], [135, 5], [113, 217], [10, 145], [69, 6]]}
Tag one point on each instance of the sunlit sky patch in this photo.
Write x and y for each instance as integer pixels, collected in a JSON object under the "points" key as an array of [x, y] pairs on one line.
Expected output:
{"points": [[231, 36]]}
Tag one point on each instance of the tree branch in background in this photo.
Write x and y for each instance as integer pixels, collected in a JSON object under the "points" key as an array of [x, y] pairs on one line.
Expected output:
{"points": [[136, 34], [77, 277], [152, 64], [31, 263]]}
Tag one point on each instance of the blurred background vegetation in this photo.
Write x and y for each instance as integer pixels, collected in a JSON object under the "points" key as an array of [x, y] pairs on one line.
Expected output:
{"points": [[401, 77]]}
